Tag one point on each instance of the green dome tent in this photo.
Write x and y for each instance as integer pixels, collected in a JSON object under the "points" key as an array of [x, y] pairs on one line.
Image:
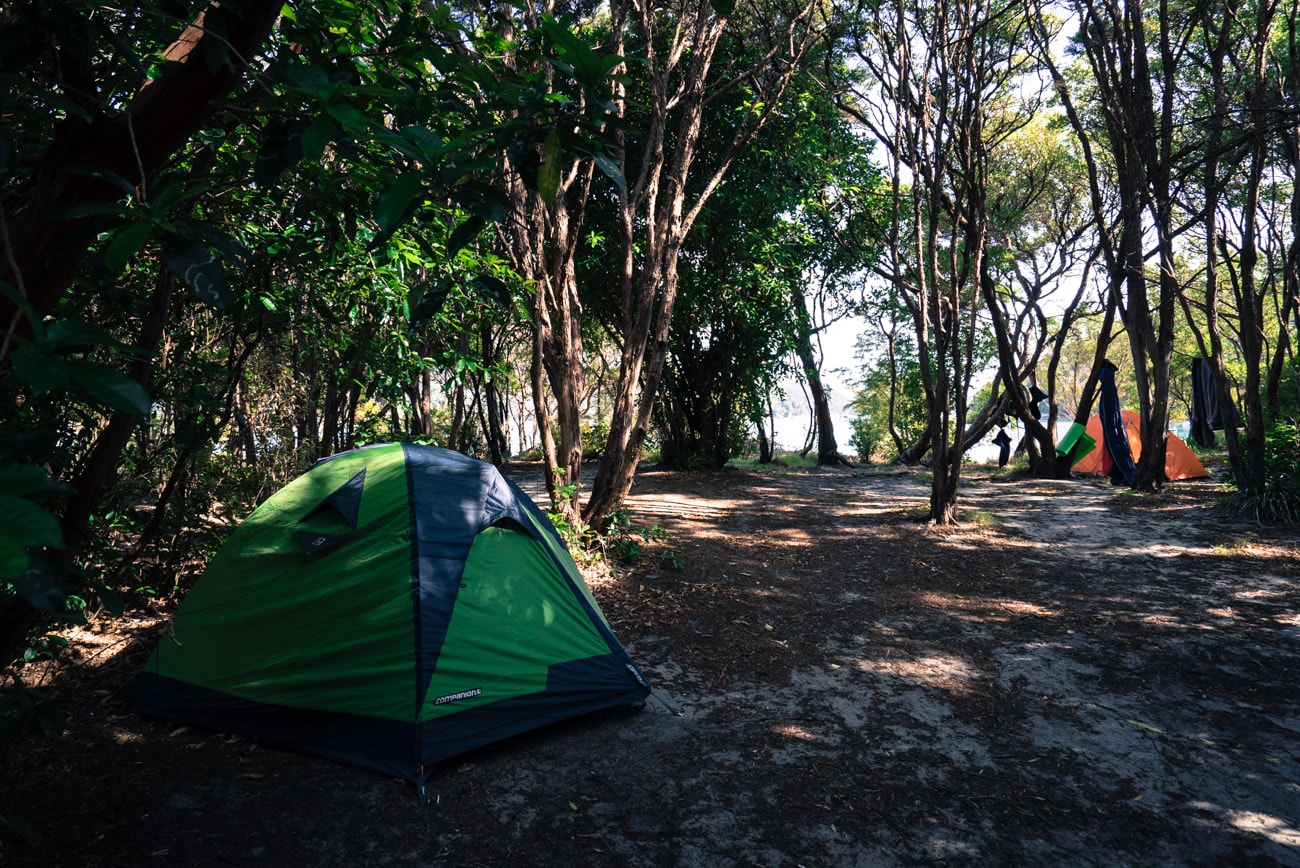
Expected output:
{"points": [[392, 607]]}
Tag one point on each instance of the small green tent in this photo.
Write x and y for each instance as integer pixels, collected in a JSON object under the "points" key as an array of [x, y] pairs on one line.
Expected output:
{"points": [[392, 607]]}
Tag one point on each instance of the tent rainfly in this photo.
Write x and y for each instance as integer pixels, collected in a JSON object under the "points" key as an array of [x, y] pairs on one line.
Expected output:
{"points": [[392, 607], [1180, 463]]}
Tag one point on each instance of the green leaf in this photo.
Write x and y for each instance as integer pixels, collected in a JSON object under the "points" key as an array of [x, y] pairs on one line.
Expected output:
{"points": [[39, 584], [215, 53], [269, 164], [351, 118], [59, 102], [566, 42], [495, 289], [610, 62], [393, 202], [611, 168], [21, 303], [723, 7], [548, 174], [106, 175], [586, 66], [112, 601], [125, 50], [73, 334], [317, 137], [125, 245], [43, 372], [423, 138], [23, 524], [22, 480], [563, 67], [173, 192], [199, 269], [111, 387], [427, 299], [281, 149], [223, 243], [21, 826], [32, 445], [29, 481], [465, 233], [49, 718], [482, 200], [89, 209], [311, 78]]}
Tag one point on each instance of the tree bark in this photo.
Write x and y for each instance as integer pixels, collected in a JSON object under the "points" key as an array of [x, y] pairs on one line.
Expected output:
{"points": [[765, 455]]}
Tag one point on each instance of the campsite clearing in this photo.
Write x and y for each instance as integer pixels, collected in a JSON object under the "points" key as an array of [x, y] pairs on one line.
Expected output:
{"points": [[1077, 675]]}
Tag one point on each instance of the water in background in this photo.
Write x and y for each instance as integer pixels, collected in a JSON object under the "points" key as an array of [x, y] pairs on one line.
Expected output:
{"points": [[791, 431]]}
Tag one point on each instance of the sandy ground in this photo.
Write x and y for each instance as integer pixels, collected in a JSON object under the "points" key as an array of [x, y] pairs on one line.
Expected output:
{"points": [[1075, 677]]}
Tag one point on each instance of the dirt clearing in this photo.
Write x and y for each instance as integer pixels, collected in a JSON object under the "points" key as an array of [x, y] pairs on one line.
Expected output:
{"points": [[1076, 676]]}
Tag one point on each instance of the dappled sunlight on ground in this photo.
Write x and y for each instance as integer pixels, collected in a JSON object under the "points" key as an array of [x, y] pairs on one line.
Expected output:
{"points": [[643, 507], [1289, 620], [1281, 593], [790, 730], [992, 608], [1171, 621], [97, 645], [936, 670], [1276, 829], [977, 537], [795, 537]]}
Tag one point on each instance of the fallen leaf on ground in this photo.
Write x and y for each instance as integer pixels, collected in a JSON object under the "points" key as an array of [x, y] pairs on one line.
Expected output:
{"points": [[1140, 725]]}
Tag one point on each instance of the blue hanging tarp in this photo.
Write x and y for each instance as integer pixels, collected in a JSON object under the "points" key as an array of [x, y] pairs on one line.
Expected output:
{"points": [[1123, 470]]}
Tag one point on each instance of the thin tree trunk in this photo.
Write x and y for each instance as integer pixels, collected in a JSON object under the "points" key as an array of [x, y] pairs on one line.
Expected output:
{"points": [[828, 451], [764, 442]]}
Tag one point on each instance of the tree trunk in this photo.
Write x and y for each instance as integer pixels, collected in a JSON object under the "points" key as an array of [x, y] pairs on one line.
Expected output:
{"points": [[828, 451], [1250, 312], [912, 455], [331, 412], [765, 455], [420, 394], [543, 248], [107, 452], [457, 415], [498, 443], [246, 438], [650, 291]]}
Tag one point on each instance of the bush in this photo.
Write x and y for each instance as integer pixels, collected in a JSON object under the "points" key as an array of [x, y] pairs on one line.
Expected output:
{"points": [[1278, 501]]}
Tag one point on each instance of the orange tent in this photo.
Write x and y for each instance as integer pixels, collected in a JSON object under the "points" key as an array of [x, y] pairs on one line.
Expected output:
{"points": [[1180, 463]]}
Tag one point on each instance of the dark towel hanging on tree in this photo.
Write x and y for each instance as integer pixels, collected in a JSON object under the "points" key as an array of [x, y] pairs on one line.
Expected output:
{"points": [[1036, 397], [1004, 447], [1123, 470], [1206, 417]]}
